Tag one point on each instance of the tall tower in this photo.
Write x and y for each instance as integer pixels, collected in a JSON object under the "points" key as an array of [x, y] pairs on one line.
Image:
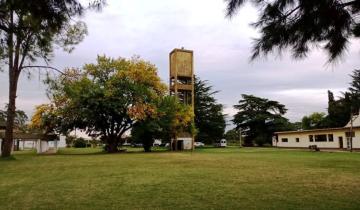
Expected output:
{"points": [[182, 86]]}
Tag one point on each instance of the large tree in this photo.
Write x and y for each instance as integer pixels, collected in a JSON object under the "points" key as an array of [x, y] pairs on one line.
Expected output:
{"points": [[209, 117], [29, 30], [106, 98], [299, 25], [259, 118]]}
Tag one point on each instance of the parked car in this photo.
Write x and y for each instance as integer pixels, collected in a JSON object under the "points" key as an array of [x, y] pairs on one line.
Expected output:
{"points": [[199, 144], [221, 143], [126, 144]]}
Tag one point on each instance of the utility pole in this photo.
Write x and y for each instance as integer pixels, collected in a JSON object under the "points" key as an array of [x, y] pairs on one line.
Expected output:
{"points": [[351, 130], [240, 137]]}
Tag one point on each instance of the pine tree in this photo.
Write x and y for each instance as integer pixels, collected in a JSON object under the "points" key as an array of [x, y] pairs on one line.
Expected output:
{"points": [[298, 25], [209, 119]]}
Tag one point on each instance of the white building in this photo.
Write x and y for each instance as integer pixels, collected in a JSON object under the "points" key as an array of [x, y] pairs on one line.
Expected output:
{"points": [[328, 138]]}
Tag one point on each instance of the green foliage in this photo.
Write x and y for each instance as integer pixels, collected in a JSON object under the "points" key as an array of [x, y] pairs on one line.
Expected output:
{"points": [[106, 98], [296, 126], [69, 140], [313, 121], [232, 136], [340, 110], [145, 132], [171, 118], [354, 91], [209, 119], [259, 118], [20, 119], [45, 119], [299, 25], [79, 143]]}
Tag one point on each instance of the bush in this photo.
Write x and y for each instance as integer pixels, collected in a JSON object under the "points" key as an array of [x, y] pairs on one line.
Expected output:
{"points": [[69, 140], [80, 143]]}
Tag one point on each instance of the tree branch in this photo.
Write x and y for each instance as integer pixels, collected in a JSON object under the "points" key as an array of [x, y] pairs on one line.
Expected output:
{"points": [[25, 50], [349, 3], [45, 67]]}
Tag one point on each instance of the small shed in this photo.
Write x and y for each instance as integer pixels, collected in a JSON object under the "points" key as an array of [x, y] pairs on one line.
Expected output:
{"points": [[41, 140]]}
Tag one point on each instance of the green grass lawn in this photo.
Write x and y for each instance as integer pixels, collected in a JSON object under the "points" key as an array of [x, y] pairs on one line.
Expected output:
{"points": [[211, 178]]}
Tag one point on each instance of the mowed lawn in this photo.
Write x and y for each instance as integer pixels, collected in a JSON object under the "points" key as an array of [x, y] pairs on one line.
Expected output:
{"points": [[231, 178]]}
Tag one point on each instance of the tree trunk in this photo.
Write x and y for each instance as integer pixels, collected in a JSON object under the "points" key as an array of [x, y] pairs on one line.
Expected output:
{"points": [[8, 141], [13, 77], [147, 148], [148, 141], [112, 145]]}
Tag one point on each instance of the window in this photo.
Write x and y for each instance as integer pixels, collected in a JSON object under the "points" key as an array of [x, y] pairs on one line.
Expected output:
{"points": [[284, 140], [311, 138], [320, 138], [330, 137], [297, 140]]}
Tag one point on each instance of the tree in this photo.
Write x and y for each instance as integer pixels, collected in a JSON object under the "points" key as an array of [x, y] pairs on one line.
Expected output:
{"points": [[170, 118], [259, 118], [106, 98], [45, 119], [301, 24], [232, 135], [145, 132], [338, 110], [209, 119], [20, 119], [354, 90], [314, 121], [28, 31]]}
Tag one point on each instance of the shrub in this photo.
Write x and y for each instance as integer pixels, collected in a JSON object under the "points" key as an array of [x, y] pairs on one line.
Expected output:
{"points": [[80, 143], [69, 140]]}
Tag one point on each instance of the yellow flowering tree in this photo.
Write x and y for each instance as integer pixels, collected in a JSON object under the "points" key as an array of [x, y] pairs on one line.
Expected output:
{"points": [[106, 98]]}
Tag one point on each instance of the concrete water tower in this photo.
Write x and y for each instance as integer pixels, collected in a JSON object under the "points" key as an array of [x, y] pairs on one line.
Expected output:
{"points": [[182, 86]]}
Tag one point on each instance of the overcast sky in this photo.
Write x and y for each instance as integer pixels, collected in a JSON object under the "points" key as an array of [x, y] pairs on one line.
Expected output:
{"points": [[221, 48]]}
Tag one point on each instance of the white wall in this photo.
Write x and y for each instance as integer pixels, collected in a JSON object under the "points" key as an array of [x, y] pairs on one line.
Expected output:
{"points": [[304, 139], [187, 142], [42, 146], [27, 144]]}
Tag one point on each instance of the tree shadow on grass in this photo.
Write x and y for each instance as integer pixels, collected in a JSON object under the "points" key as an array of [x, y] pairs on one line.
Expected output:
{"points": [[10, 158], [72, 151]]}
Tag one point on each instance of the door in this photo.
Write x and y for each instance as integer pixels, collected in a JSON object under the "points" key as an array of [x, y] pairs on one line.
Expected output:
{"points": [[180, 145], [341, 144]]}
